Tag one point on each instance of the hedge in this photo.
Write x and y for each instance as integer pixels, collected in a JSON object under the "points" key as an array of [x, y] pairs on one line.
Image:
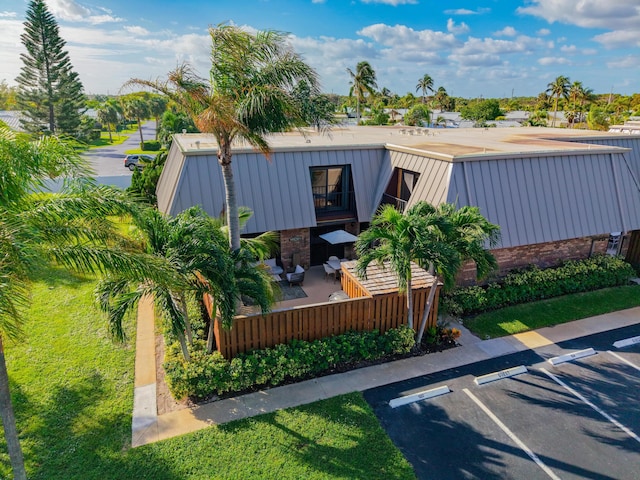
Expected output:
{"points": [[208, 374], [532, 284]]}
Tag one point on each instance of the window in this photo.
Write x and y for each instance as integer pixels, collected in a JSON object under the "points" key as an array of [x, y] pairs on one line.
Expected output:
{"points": [[331, 187], [400, 188]]}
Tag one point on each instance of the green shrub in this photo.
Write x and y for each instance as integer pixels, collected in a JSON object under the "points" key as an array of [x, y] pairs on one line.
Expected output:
{"points": [[532, 284], [208, 374], [150, 146]]}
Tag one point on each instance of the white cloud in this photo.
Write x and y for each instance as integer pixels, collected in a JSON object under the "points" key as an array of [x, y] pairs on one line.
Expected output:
{"points": [[543, 32], [317, 1], [476, 59], [456, 29], [403, 37], [7, 14], [630, 61], [553, 61], [136, 30], [620, 38], [607, 14], [506, 32], [71, 11], [395, 3], [465, 11]]}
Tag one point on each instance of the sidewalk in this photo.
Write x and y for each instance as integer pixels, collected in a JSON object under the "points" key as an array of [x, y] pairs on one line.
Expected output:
{"points": [[148, 427]]}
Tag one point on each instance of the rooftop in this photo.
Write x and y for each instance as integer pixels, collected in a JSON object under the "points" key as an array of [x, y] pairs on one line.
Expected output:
{"points": [[445, 143]]}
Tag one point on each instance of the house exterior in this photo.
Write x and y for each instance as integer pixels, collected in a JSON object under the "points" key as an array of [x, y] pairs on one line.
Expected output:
{"points": [[556, 194]]}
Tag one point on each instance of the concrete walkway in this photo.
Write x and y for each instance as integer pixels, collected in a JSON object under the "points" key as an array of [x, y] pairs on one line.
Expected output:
{"points": [[148, 427]]}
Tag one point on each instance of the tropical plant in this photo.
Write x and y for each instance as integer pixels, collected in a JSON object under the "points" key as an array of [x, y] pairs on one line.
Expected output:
{"points": [[108, 114], [135, 107], [50, 94], [558, 88], [425, 84], [248, 95], [70, 229], [417, 115], [396, 239], [174, 122], [578, 96], [157, 106], [363, 82], [466, 233], [443, 100], [481, 111]]}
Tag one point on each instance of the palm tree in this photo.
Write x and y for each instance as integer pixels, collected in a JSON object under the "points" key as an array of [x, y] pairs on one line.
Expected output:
{"points": [[394, 238], [247, 96], [107, 115], [558, 88], [465, 232], [579, 95], [136, 107], [425, 84], [442, 99], [70, 228], [157, 106], [363, 81]]}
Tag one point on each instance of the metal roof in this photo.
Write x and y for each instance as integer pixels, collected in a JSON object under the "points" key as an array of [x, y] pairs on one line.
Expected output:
{"points": [[538, 184]]}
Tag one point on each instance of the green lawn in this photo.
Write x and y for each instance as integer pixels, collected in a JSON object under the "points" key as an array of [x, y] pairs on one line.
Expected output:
{"points": [[73, 395], [554, 311], [117, 139]]}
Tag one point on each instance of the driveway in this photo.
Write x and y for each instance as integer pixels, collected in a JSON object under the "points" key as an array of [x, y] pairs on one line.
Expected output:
{"points": [[573, 420], [109, 161]]}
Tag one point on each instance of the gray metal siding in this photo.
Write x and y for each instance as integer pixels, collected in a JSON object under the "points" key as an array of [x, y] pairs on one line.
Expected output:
{"points": [[632, 142], [278, 191], [168, 181], [543, 199], [433, 183]]}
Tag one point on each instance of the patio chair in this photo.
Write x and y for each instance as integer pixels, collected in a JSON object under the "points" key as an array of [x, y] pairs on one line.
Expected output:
{"points": [[329, 271], [274, 268], [297, 277]]}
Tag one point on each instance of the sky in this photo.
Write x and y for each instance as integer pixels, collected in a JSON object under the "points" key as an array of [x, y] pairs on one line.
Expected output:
{"points": [[475, 48]]}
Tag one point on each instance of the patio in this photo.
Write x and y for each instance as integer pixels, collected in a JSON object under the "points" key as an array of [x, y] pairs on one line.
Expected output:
{"points": [[315, 286]]}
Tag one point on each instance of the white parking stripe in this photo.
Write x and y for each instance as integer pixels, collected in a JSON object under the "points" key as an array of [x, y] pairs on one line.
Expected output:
{"points": [[597, 409], [511, 435], [623, 359]]}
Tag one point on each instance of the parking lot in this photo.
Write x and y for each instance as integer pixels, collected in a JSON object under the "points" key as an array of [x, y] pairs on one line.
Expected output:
{"points": [[574, 420]]}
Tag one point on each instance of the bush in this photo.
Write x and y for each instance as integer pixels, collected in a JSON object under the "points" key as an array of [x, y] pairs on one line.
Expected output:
{"points": [[532, 284], [208, 374], [150, 146]]}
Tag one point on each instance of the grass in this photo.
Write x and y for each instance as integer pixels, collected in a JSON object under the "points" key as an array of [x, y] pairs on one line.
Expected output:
{"points": [[104, 141], [545, 313], [73, 395], [138, 151]]}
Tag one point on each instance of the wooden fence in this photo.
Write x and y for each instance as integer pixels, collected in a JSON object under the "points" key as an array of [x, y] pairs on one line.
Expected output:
{"points": [[313, 322]]}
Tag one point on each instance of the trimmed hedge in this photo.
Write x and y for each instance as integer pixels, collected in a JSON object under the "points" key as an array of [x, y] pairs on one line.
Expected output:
{"points": [[532, 284], [150, 146], [208, 374]]}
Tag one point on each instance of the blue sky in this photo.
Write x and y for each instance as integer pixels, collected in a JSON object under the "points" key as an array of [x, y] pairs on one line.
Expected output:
{"points": [[489, 48]]}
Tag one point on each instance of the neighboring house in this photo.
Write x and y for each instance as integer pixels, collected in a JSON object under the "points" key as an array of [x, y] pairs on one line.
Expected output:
{"points": [[12, 119], [630, 127], [556, 194]]}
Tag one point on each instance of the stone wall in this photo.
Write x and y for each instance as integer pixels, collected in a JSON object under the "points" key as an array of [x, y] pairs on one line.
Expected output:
{"points": [[294, 244]]}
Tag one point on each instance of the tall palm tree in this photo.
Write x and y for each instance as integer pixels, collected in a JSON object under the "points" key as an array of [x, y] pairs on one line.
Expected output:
{"points": [[558, 88], [157, 106], [466, 232], [70, 228], [394, 238], [425, 84], [363, 81], [107, 115], [247, 96], [579, 95], [137, 108]]}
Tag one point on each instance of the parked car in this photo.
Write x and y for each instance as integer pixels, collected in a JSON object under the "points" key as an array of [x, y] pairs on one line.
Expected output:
{"points": [[136, 161]]}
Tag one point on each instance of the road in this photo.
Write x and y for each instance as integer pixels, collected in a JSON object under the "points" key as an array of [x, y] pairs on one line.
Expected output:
{"points": [[574, 420], [109, 161]]}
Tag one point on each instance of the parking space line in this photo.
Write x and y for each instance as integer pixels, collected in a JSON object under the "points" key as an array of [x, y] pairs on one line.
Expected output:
{"points": [[511, 435], [596, 408], [624, 360]]}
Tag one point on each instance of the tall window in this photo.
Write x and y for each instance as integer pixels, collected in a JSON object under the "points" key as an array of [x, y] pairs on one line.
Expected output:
{"points": [[400, 188], [330, 186]]}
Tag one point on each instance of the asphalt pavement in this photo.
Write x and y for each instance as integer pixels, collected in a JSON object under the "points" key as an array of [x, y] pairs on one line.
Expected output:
{"points": [[109, 161], [574, 420]]}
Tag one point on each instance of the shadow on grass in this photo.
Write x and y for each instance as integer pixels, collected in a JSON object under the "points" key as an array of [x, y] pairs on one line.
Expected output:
{"points": [[66, 437], [335, 438]]}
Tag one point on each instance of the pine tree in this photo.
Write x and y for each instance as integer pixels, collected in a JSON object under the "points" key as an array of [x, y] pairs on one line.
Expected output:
{"points": [[50, 93]]}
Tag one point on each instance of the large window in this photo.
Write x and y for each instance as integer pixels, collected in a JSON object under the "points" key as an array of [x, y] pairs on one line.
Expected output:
{"points": [[400, 188], [331, 188]]}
